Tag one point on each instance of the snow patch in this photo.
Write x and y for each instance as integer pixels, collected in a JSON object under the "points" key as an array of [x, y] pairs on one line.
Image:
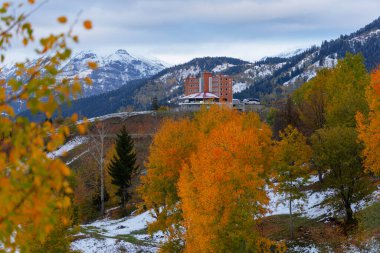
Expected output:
{"points": [[239, 87], [118, 235], [222, 67], [122, 115], [70, 145]]}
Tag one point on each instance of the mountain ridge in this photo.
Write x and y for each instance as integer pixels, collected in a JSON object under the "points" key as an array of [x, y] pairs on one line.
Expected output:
{"points": [[272, 75]]}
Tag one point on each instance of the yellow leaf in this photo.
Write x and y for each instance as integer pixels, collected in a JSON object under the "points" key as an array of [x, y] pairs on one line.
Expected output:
{"points": [[92, 65], [88, 80], [87, 24], [81, 128], [62, 19], [74, 117], [31, 1], [65, 170]]}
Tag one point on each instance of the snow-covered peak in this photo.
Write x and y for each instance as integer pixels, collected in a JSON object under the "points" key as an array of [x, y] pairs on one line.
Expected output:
{"points": [[122, 52], [290, 53]]}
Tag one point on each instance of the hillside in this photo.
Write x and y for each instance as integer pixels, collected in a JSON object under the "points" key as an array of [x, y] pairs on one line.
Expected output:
{"points": [[129, 233], [270, 75]]}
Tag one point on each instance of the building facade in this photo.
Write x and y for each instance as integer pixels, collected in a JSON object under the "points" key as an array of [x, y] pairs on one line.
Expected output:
{"points": [[219, 86]]}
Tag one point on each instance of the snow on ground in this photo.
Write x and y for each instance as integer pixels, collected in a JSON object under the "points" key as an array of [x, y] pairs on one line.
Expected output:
{"points": [[370, 246], [129, 224], [121, 115], [109, 245], [311, 205], [238, 87], [77, 157], [176, 87], [70, 145], [304, 249], [222, 67], [311, 208], [129, 234], [123, 235]]}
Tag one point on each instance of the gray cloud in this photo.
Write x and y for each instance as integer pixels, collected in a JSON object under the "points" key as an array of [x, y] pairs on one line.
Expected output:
{"points": [[177, 30]]}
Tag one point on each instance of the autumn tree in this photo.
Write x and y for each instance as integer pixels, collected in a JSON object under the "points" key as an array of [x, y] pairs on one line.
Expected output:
{"points": [[311, 100], [338, 152], [171, 148], [123, 165], [222, 189], [284, 114], [33, 187], [346, 92], [292, 156], [369, 127]]}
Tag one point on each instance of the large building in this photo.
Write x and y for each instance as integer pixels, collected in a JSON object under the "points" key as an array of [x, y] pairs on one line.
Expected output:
{"points": [[207, 89]]}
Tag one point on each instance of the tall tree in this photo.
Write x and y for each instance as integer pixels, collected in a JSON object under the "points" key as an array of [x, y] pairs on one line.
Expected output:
{"points": [[292, 156], [346, 92], [173, 158], [338, 152], [123, 165], [369, 127], [222, 189], [171, 148], [310, 100], [98, 152]]}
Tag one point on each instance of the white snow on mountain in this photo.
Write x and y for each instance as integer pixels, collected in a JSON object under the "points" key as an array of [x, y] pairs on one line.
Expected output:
{"points": [[114, 70], [290, 53], [222, 67], [364, 37], [238, 87]]}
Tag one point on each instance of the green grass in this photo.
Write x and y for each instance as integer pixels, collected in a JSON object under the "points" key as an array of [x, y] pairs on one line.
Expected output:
{"points": [[370, 217], [96, 233], [143, 231]]}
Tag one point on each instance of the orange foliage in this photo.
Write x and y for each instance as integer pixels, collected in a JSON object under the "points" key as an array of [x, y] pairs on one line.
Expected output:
{"points": [[172, 146], [369, 128], [208, 176], [34, 188], [222, 189]]}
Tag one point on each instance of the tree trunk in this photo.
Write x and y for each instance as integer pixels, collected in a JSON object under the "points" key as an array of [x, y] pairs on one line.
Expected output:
{"points": [[102, 211], [291, 218], [123, 198], [101, 183], [349, 219], [320, 176]]}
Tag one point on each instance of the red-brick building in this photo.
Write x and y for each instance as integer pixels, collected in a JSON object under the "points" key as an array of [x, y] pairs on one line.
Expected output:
{"points": [[217, 87]]}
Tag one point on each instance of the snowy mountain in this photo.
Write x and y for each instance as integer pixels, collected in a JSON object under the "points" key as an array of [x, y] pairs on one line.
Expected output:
{"points": [[271, 75], [114, 70], [301, 67]]}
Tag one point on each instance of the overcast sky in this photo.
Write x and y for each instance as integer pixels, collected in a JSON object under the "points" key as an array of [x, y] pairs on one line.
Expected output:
{"points": [[176, 31]]}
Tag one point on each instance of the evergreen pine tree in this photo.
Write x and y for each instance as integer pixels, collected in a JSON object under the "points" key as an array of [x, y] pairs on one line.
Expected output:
{"points": [[123, 165], [155, 105]]}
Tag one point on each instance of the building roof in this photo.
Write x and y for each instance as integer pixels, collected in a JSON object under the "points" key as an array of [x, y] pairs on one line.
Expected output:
{"points": [[200, 95]]}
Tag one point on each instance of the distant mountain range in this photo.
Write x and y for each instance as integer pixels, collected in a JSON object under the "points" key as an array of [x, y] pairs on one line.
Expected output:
{"points": [[114, 70], [269, 75]]}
